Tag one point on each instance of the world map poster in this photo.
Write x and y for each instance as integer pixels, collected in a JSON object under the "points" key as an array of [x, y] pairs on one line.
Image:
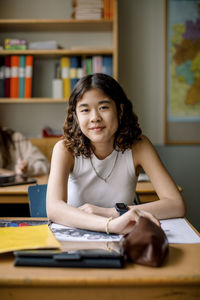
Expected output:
{"points": [[183, 82]]}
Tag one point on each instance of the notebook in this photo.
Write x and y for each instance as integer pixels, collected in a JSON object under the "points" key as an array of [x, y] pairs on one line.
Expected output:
{"points": [[87, 257]]}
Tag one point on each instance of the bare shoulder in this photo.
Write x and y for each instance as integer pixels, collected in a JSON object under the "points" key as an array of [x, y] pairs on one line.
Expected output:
{"points": [[142, 144], [59, 146], [60, 152], [142, 150]]}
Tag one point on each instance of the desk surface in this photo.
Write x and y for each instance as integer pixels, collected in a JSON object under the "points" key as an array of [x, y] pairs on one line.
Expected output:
{"points": [[178, 278]]}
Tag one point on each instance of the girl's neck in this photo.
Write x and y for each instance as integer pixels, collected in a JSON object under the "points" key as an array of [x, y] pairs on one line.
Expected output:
{"points": [[102, 151]]}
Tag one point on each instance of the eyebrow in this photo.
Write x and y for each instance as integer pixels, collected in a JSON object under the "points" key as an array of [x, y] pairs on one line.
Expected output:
{"points": [[99, 102]]}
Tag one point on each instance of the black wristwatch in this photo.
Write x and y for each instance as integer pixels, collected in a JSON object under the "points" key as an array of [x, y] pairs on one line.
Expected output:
{"points": [[121, 208]]}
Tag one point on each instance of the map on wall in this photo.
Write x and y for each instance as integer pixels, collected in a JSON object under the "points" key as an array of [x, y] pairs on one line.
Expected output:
{"points": [[183, 60]]}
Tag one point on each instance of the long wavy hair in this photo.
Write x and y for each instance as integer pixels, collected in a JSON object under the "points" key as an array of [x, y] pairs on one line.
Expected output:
{"points": [[128, 130], [6, 141]]}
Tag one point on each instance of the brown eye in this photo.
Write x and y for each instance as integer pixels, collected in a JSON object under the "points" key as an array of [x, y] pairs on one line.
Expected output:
{"points": [[104, 107]]}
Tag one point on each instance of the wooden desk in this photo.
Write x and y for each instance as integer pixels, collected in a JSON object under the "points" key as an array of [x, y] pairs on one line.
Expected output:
{"points": [[178, 278], [19, 193]]}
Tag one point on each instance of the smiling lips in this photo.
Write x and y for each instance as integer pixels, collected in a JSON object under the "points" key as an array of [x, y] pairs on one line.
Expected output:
{"points": [[97, 129]]}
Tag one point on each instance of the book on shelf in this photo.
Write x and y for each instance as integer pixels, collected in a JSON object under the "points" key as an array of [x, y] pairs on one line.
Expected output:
{"points": [[108, 9], [65, 65], [2, 77], [107, 65], [88, 65], [22, 62], [7, 75], [97, 64], [14, 80], [28, 76], [75, 71], [57, 83], [111, 9], [15, 44]]}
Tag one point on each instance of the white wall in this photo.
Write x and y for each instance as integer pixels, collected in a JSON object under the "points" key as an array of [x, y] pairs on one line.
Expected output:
{"points": [[141, 62]]}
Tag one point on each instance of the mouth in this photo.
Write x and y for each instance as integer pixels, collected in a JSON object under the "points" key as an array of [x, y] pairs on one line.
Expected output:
{"points": [[97, 128]]}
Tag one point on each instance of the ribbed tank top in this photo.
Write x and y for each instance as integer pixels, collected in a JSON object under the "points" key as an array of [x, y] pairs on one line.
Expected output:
{"points": [[84, 186]]}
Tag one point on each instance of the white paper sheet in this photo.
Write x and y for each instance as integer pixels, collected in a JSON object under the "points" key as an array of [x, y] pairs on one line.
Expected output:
{"points": [[178, 231]]}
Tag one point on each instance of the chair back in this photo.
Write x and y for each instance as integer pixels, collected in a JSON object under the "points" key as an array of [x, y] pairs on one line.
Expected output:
{"points": [[37, 200]]}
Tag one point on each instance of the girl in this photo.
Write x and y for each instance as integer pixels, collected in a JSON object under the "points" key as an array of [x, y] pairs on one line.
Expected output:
{"points": [[97, 163], [17, 154]]}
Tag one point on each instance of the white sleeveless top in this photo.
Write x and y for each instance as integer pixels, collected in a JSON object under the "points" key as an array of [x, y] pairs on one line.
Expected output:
{"points": [[84, 186]]}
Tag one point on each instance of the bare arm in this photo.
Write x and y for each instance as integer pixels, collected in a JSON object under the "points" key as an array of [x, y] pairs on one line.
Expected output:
{"points": [[170, 203], [57, 208]]}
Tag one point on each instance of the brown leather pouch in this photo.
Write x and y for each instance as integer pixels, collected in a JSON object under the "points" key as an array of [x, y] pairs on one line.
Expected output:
{"points": [[146, 244]]}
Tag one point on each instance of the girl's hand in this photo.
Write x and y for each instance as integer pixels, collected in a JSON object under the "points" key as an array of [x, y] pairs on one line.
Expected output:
{"points": [[21, 166], [124, 224], [100, 211]]}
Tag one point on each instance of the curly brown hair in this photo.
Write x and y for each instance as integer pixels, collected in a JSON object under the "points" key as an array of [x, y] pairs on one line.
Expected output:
{"points": [[128, 131]]}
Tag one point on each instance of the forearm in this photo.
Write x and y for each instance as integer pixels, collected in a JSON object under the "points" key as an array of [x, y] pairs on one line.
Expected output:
{"points": [[164, 208], [100, 211], [62, 213]]}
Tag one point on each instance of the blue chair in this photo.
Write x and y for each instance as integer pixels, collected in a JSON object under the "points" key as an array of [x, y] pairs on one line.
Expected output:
{"points": [[37, 200]]}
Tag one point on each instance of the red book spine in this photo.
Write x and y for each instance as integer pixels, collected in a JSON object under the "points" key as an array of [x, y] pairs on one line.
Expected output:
{"points": [[28, 76], [14, 80], [7, 76]]}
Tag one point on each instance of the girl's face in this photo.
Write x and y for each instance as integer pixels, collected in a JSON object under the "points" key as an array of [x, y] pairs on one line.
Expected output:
{"points": [[97, 117]]}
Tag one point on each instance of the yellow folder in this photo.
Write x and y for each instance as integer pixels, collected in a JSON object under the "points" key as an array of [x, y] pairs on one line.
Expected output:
{"points": [[27, 237]]}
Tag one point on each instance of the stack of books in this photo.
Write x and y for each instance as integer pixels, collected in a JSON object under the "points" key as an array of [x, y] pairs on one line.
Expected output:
{"points": [[16, 76], [87, 9]]}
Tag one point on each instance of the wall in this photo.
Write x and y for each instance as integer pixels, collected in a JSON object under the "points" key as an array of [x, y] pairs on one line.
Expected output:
{"points": [[141, 73], [183, 163], [141, 61]]}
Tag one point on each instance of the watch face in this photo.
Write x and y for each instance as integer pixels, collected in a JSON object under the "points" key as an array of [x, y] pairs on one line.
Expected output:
{"points": [[121, 206]]}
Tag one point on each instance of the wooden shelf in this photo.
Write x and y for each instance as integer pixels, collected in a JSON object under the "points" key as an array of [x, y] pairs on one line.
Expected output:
{"points": [[76, 38], [14, 25], [32, 100], [59, 52]]}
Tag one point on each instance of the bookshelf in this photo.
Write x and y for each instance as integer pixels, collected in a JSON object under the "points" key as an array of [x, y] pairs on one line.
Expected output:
{"points": [[76, 37]]}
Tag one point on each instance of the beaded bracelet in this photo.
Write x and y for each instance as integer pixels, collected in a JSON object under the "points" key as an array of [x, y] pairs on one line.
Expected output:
{"points": [[107, 225]]}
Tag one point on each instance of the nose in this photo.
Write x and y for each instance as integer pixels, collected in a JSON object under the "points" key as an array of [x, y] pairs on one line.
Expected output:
{"points": [[95, 116]]}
